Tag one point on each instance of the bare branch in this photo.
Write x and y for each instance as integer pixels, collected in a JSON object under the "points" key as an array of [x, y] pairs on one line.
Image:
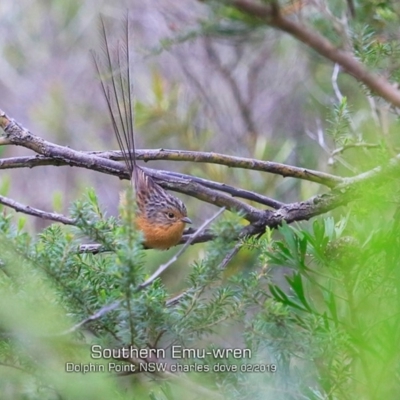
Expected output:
{"points": [[36, 212], [230, 255], [97, 315], [174, 155], [19, 136], [241, 162], [244, 194]]}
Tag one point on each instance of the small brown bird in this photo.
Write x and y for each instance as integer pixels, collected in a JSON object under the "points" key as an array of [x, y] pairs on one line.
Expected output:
{"points": [[160, 216]]}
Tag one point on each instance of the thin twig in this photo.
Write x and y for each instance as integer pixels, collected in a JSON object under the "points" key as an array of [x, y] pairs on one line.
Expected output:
{"points": [[175, 300], [103, 311], [96, 248], [335, 85], [324, 146], [230, 255], [352, 145], [92, 248]]}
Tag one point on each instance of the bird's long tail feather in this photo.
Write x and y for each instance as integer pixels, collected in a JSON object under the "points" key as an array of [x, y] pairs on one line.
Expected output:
{"points": [[113, 69]]}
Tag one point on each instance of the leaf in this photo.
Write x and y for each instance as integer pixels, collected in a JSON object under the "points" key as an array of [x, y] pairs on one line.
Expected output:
{"points": [[282, 297], [296, 284]]}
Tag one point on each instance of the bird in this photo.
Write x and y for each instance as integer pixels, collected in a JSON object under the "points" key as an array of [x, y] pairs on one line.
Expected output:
{"points": [[160, 216]]}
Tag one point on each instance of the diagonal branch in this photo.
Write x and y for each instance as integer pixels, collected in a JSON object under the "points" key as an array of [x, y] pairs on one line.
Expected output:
{"points": [[271, 16], [19, 207], [20, 136], [235, 192]]}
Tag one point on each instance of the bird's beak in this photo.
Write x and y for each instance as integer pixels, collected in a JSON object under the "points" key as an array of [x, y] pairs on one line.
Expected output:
{"points": [[187, 220]]}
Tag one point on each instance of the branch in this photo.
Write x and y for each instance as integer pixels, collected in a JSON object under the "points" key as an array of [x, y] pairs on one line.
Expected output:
{"points": [[230, 255], [191, 188], [287, 171], [235, 192], [364, 145], [53, 154], [103, 311], [20, 136], [270, 15], [241, 162], [36, 212], [95, 248]]}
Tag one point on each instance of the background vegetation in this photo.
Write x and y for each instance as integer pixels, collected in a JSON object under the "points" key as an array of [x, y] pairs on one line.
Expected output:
{"points": [[319, 299]]}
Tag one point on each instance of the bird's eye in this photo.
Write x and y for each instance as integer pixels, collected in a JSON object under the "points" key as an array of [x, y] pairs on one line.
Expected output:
{"points": [[170, 215]]}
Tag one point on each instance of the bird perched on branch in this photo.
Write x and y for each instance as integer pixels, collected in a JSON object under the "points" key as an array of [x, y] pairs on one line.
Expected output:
{"points": [[160, 216]]}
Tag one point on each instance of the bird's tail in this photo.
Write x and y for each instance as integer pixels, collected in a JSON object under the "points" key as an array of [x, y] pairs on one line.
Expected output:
{"points": [[113, 69]]}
